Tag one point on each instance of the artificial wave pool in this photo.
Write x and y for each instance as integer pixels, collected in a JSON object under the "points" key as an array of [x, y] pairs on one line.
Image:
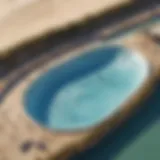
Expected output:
{"points": [[87, 89]]}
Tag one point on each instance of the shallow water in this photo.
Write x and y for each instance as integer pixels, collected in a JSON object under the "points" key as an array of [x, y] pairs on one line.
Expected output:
{"points": [[85, 90], [137, 139]]}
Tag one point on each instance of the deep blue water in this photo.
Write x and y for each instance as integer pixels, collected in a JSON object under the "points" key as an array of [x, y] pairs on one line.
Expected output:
{"points": [[85, 90]]}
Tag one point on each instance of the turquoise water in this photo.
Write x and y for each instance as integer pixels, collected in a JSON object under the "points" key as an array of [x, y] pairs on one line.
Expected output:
{"points": [[137, 139], [85, 90]]}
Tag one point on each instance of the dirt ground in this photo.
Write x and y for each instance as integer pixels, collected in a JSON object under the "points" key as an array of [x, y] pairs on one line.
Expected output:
{"points": [[21, 20]]}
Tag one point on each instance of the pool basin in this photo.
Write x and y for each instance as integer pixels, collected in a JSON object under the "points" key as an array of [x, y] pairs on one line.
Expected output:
{"points": [[85, 90]]}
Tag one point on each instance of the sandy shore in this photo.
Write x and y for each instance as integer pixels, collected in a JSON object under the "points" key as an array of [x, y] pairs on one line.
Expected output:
{"points": [[27, 19]]}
